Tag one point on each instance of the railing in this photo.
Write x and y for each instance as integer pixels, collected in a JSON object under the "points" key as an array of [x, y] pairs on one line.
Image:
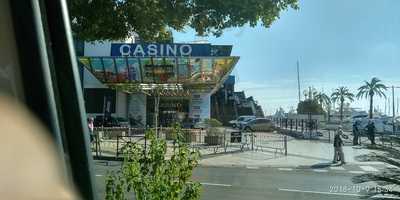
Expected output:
{"points": [[108, 142]]}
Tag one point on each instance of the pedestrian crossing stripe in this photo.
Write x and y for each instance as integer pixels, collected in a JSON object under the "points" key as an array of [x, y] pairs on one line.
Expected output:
{"points": [[320, 170], [369, 168], [285, 169], [337, 168], [357, 172]]}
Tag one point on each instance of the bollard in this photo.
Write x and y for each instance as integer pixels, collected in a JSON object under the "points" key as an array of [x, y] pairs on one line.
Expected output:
{"points": [[285, 144], [252, 141], [329, 136], [291, 124]]}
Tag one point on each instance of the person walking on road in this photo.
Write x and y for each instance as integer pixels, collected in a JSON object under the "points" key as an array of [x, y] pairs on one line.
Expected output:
{"points": [[338, 147], [356, 132], [371, 131]]}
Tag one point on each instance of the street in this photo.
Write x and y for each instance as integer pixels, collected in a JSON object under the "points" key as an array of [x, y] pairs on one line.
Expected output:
{"points": [[256, 183]]}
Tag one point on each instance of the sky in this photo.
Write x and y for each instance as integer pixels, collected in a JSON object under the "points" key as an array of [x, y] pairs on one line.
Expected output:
{"points": [[337, 43]]}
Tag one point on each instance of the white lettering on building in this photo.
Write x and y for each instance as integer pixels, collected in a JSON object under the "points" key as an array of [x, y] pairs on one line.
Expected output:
{"points": [[155, 50], [169, 49], [188, 50], [138, 49], [125, 50], [152, 50]]}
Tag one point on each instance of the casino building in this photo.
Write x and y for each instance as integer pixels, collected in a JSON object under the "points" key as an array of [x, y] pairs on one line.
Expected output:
{"points": [[129, 80]]}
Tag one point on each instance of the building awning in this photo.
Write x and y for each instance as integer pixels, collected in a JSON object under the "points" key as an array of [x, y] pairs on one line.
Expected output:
{"points": [[132, 74]]}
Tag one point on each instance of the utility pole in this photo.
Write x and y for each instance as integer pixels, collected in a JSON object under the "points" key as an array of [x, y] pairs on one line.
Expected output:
{"points": [[298, 80], [394, 127]]}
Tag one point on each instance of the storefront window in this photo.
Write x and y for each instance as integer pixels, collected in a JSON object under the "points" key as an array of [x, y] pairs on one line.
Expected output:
{"points": [[195, 65], [183, 69], [98, 70], [207, 70], [122, 70], [109, 68], [134, 71], [221, 66], [160, 70], [170, 70], [147, 69]]}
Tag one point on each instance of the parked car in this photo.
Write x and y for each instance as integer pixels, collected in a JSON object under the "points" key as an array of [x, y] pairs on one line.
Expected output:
{"points": [[107, 122], [123, 122], [236, 123], [258, 124]]}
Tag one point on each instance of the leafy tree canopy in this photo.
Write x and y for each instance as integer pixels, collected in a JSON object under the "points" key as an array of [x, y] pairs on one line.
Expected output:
{"points": [[152, 19], [309, 106]]}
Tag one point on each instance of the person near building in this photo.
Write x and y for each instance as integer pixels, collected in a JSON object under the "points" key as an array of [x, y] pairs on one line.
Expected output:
{"points": [[91, 128], [338, 147], [356, 132]]}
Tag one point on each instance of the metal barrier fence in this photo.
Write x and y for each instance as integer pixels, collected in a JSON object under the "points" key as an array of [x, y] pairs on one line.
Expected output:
{"points": [[108, 142]]}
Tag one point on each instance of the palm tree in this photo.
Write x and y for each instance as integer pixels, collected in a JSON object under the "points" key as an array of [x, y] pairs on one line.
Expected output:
{"points": [[325, 101], [342, 94], [369, 90]]}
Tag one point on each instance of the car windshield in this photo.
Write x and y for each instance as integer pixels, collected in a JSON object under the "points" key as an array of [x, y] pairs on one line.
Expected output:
{"points": [[304, 69], [241, 119]]}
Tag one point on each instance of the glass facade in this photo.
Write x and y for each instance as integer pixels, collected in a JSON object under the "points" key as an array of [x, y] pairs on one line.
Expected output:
{"points": [[122, 70], [98, 68], [134, 70], [110, 70], [193, 70]]}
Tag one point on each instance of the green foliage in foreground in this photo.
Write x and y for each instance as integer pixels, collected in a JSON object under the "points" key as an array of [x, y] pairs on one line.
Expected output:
{"points": [[146, 174], [388, 180], [153, 20]]}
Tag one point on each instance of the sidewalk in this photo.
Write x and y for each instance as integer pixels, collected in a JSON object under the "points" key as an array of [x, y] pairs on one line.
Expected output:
{"points": [[300, 153]]}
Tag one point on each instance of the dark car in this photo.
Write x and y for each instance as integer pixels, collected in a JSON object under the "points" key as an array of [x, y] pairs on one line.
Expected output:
{"points": [[106, 121]]}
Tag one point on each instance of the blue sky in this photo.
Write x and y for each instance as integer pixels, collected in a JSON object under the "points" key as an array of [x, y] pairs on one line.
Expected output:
{"points": [[337, 42]]}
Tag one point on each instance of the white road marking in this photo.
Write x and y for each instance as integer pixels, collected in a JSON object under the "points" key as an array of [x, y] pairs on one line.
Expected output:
{"points": [[252, 167], [337, 168], [99, 175], [334, 193], [285, 169], [369, 168], [217, 184], [320, 170], [318, 192], [357, 172]]}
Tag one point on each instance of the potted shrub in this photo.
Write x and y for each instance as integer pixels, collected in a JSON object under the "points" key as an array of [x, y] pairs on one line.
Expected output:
{"points": [[215, 133]]}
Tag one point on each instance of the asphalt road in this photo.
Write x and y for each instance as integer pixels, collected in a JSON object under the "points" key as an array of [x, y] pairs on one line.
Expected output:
{"points": [[253, 183]]}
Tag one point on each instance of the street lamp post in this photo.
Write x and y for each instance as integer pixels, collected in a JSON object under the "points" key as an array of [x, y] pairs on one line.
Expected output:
{"points": [[393, 120]]}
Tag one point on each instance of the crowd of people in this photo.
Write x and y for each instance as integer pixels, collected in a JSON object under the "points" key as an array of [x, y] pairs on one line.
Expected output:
{"points": [[370, 130]]}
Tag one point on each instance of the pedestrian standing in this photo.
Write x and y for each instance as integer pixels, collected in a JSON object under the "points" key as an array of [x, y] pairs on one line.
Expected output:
{"points": [[91, 128], [371, 131], [338, 147], [356, 132]]}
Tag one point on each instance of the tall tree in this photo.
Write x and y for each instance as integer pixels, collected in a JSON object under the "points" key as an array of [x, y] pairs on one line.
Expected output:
{"points": [[152, 20], [369, 90], [340, 95], [325, 101], [309, 106]]}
